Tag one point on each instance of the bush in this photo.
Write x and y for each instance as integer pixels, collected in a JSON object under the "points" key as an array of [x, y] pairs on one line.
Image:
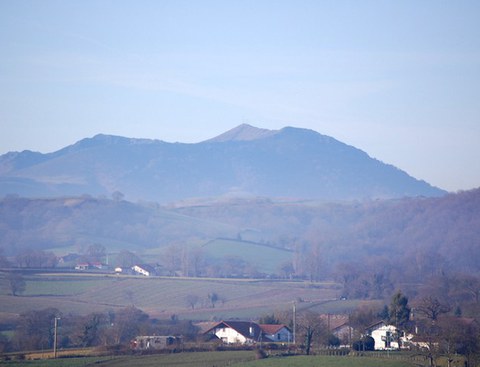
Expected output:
{"points": [[260, 354], [333, 341], [365, 344]]}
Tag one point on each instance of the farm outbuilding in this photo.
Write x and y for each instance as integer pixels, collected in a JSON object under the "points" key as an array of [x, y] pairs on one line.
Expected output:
{"points": [[155, 342]]}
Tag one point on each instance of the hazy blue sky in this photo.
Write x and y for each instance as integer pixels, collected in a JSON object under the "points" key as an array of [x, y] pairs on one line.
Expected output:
{"points": [[397, 79]]}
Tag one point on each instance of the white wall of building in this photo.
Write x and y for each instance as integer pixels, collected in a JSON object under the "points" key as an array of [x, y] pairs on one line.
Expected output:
{"points": [[384, 337], [230, 336]]}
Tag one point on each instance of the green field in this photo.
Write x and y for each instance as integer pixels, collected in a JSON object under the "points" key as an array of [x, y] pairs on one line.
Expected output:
{"points": [[82, 293], [264, 258], [325, 361], [218, 359]]}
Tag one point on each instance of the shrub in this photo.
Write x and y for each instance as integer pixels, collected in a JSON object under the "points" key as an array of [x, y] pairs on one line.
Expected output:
{"points": [[365, 344]]}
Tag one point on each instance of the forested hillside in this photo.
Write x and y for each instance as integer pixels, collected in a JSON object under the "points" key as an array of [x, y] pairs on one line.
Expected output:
{"points": [[406, 238], [391, 240]]}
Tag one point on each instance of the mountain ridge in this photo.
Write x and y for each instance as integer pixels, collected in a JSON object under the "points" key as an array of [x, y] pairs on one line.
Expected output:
{"points": [[290, 162]]}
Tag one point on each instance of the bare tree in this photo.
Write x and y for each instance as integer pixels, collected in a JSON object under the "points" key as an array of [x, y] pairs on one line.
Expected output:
{"points": [[313, 262], [286, 270], [127, 259], [432, 308], [30, 258], [468, 287], [213, 298], [127, 324], [96, 252], [4, 263], [192, 300], [35, 329], [89, 329], [16, 283], [310, 325], [197, 259], [172, 259]]}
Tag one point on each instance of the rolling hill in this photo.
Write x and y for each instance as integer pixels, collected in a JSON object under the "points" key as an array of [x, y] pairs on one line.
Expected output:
{"points": [[243, 162], [418, 236]]}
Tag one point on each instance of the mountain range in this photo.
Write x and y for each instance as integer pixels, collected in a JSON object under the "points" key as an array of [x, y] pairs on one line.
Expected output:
{"points": [[243, 162]]}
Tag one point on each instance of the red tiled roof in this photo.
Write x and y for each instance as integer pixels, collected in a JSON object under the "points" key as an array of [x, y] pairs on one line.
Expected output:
{"points": [[271, 329], [335, 321]]}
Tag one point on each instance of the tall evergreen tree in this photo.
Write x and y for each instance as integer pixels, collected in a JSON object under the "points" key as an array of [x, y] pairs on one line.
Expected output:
{"points": [[399, 310]]}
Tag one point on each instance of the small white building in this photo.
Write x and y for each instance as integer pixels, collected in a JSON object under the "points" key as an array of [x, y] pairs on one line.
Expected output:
{"points": [[82, 266], [155, 342], [145, 270], [386, 336]]}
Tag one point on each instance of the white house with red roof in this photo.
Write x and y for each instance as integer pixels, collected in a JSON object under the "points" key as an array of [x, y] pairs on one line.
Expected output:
{"points": [[247, 332], [277, 333]]}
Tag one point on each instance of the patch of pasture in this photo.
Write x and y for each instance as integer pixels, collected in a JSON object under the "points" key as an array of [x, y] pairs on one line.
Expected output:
{"points": [[218, 359], [324, 361], [265, 258], [62, 286]]}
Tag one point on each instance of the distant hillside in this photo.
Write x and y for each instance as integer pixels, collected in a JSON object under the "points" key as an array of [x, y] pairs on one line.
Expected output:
{"points": [[411, 237], [245, 161], [423, 235], [75, 223]]}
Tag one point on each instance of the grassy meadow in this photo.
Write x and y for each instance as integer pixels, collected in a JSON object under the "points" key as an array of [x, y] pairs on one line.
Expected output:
{"points": [[218, 359], [266, 259]]}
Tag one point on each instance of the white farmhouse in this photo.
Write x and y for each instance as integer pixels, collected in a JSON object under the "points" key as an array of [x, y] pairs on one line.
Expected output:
{"points": [[246, 332], [386, 336]]}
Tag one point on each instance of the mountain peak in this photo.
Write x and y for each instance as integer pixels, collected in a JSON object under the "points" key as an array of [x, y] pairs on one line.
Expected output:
{"points": [[291, 162], [243, 132]]}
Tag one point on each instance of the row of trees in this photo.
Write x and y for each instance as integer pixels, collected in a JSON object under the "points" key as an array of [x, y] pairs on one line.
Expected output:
{"points": [[34, 330], [37, 259]]}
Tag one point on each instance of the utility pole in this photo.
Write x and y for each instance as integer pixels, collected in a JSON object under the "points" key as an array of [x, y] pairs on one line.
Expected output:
{"points": [[294, 321], [55, 337]]}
